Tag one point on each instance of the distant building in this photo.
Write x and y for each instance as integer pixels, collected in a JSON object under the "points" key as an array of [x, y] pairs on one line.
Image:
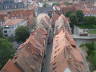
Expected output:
{"points": [[21, 14], [10, 26], [46, 10], [1, 23], [2, 20], [80, 31], [10, 4], [29, 56], [84, 31], [2, 17], [90, 1]]}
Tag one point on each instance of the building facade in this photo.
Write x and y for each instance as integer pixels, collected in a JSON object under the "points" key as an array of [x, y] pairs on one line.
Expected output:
{"points": [[10, 4], [10, 26]]}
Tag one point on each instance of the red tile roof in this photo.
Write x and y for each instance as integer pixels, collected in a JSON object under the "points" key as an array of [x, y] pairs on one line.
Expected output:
{"points": [[65, 54], [66, 9], [10, 67], [10, 22], [30, 53], [21, 13]]}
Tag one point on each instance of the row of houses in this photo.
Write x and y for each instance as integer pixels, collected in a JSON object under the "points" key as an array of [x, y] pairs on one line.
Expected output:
{"points": [[11, 20], [11, 25], [89, 9], [22, 13], [30, 54], [66, 56], [10, 4]]}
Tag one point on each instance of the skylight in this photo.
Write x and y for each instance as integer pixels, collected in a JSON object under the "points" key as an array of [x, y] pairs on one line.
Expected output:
{"points": [[67, 70]]}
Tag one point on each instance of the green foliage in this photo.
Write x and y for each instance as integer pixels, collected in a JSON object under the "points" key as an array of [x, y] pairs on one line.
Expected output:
{"points": [[73, 20], [45, 5], [92, 32], [80, 15], [6, 51], [22, 33], [55, 3], [68, 13], [75, 17], [91, 47], [67, 3], [89, 22], [91, 51], [78, 18], [92, 58], [1, 34]]}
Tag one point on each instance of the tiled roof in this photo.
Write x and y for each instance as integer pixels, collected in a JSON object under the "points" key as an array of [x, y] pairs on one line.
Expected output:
{"points": [[65, 54], [62, 22], [66, 9], [10, 22], [2, 15], [29, 56], [21, 13], [32, 48], [43, 21], [10, 67], [54, 17]]}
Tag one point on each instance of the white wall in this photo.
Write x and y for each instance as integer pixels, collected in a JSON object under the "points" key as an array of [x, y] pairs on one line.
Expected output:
{"points": [[78, 31], [12, 28]]}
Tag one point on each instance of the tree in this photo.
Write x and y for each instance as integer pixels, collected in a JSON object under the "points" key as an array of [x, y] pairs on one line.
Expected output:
{"points": [[22, 33], [80, 15], [92, 58], [45, 5], [55, 3], [68, 13], [73, 20], [90, 21], [91, 51], [1, 34], [6, 51]]}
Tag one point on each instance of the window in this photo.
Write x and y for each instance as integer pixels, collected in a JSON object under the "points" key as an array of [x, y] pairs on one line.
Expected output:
{"points": [[6, 35], [5, 31]]}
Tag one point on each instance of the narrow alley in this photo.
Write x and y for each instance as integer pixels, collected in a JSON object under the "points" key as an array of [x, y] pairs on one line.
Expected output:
{"points": [[47, 57]]}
